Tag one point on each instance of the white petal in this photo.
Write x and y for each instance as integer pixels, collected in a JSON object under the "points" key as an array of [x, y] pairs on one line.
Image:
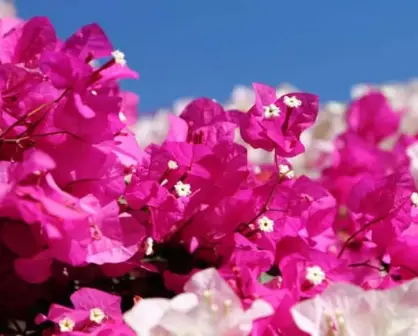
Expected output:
{"points": [[146, 314], [307, 316], [184, 302]]}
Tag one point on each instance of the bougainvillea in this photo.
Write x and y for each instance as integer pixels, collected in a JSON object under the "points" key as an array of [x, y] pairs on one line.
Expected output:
{"points": [[187, 236]]}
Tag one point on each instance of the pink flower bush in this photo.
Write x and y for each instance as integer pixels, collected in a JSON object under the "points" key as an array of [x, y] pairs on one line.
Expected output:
{"points": [[102, 236]]}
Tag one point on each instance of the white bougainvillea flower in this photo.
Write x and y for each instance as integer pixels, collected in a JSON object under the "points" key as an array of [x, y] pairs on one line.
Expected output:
{"points": [[348, 310], [208, 307]]}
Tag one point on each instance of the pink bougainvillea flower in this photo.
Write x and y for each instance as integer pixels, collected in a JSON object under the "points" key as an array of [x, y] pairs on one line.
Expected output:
{"points": [[91, 310], [372, 118], [98, 170], [203, 121], [164, 209], [277, 122], [103, 236], [308, 275], [36, 36], [383, 205], [89, 42], [129, 109]]}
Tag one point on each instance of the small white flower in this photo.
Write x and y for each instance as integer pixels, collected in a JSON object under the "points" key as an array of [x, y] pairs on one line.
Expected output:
{"points": [[285, 170], [257, 169], [119, 57], [182, 189], [414, 198], [128, 178], [265, 224], [66, 324], [122, 117], [172, 165], [271, 111], [315, 275], [149, 246], [93, 92], [292, 101], [97, 315]]}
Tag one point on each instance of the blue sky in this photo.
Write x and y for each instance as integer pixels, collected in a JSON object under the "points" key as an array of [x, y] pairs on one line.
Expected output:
{"points": [[203, 48]]}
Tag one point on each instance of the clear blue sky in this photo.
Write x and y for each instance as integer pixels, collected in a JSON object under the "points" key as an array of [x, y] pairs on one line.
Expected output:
{"points": [[195, 48]]}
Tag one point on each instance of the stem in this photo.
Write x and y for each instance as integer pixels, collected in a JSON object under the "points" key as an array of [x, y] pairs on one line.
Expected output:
{"points": [[409, 269], [366, 264], [266, 204], [368, 225], [33, 112]]}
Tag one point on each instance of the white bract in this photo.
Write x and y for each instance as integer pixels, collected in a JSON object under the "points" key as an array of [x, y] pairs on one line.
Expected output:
{"points": [[347, 310], [208, 307]]}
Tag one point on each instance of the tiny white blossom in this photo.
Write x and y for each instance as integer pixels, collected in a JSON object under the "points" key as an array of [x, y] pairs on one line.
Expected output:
{"points": [[315, 275], [285, 170], [119, 57], [265, 224], [414, 198], [122, 117], [292, 101], [271, 111], [66, 324], [128, 178], [257, 169], [149, 246], [97, 315], [172, 165], [182, 189]]}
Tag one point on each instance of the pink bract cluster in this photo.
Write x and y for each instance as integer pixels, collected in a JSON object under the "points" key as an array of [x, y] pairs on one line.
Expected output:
{"points": [[187, 237]]}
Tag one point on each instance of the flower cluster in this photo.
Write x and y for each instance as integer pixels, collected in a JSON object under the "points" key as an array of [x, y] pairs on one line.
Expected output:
{"points": [[188, 236], [318, 140]]}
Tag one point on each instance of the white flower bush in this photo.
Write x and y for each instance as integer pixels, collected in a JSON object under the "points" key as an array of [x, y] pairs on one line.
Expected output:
{"points": [[347, 310], [208, 307]]}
